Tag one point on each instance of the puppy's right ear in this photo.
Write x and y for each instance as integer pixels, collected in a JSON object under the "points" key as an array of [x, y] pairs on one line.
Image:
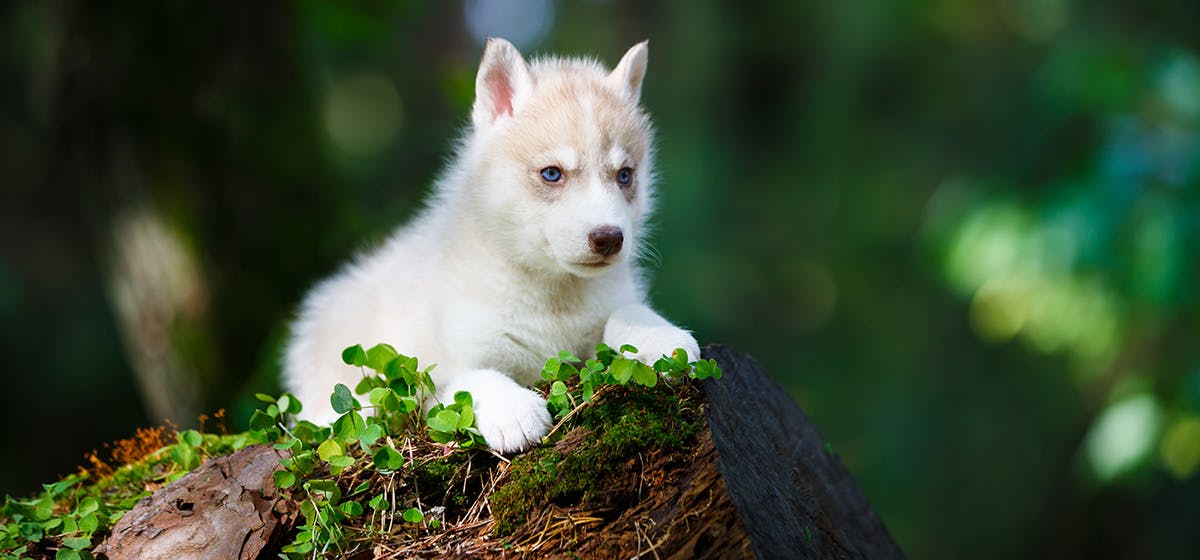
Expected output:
{"points": [[503, 83]]}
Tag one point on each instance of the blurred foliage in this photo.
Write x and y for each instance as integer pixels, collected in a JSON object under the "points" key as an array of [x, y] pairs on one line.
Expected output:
{"points": [[965, 234]]}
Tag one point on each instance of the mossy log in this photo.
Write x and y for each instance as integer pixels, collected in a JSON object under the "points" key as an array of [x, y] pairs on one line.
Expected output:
{"points": [[733, 470]]}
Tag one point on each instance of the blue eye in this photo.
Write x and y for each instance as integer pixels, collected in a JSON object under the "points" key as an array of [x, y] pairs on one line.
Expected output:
{"points": [[551, 174], [625, 176]]}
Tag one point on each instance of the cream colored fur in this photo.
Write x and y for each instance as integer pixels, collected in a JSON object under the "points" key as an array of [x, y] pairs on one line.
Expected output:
{"points": [[497, 274]]}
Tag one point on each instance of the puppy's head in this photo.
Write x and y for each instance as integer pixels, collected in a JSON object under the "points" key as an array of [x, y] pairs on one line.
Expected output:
{"points": [[563, 156]]}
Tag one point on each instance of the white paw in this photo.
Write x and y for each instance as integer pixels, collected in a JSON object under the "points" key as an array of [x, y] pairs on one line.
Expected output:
{"points": [[513, 423], [510, 417], [655, 343]]}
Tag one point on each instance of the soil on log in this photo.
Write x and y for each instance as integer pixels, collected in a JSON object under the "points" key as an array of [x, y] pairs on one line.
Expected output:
{"points": [[756, 480]]}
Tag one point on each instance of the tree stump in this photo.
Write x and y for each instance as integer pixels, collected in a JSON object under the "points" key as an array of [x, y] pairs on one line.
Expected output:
{"points": [[759, 482]]}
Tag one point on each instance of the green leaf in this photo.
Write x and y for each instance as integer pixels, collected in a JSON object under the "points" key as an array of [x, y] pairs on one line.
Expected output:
{"points": [[298, 548], [564, 356], [402, 368], [466, 418], [351, 508], [378, 502], [550, 371], [283, 403], [408, 404], [444, 421], [371, 435], [89, 523], [441, 437], [354, 356], [284, 479], [30, 531], [379, 356], [463, 398], [310, 433], [704, 369], [644, 375], [679, 357], [342, 400], [605, 354], [191, 437], [376, 395], [622, 369], [629, 348], [325, 490], [329, 449], [264, 397], [77, 543], [558, 388], [566, 371], [341, 461], [261, 421], [67, 554], [349, 425], [87, 505], [43, 509], [413, 515], [388, 459]]}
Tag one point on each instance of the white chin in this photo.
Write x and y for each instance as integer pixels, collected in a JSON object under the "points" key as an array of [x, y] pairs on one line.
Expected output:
{"points": [[588, 270]]}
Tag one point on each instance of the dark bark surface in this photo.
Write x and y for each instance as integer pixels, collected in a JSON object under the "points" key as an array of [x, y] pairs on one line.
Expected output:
{"points": [[796, 499]]}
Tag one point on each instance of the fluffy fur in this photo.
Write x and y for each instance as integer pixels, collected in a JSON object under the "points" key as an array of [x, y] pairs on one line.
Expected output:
{"points": [[497, 273]]}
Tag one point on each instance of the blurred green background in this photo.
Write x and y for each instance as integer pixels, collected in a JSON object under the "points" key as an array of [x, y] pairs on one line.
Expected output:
{"points": [[963, 234]]}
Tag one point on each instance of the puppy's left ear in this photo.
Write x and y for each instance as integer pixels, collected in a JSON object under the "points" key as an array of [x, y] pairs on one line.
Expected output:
{"points": [[626, 78], [503, 82]]}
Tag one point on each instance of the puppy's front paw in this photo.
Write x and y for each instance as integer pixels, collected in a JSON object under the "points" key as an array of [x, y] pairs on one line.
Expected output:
{"points": [[658, 342], [513, 420]]}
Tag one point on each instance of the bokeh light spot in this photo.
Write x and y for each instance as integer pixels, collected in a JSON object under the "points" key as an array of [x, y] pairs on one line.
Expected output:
{"points": [[1122, 436], [1180, 448], [362, 114], [522, 22], [1180, 86], [997, 310]]}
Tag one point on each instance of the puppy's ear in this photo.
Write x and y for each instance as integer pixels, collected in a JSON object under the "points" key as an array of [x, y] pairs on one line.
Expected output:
{"points": [[626, 78], [503, 83]]}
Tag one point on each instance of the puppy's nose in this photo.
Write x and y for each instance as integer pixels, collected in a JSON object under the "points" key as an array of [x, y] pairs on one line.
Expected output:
{"points": [[606, 240]]}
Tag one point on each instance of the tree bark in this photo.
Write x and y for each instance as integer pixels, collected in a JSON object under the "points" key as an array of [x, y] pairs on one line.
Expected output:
{"points": [[795, 497], [226, 508]]}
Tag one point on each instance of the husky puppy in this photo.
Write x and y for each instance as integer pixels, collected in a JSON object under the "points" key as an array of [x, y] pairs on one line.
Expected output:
{"points": [[527, 247]]}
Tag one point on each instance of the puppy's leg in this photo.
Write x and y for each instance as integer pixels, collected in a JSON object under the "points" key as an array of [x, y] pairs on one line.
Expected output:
{"points": [[510, 417], [653, 336]]}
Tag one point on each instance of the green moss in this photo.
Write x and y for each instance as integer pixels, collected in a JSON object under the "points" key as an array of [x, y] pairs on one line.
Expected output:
{"points": [[618, 427], [440, 481]]}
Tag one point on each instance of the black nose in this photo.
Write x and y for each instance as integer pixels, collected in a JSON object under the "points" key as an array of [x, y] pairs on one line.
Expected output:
{"points": [[606, 240]]}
